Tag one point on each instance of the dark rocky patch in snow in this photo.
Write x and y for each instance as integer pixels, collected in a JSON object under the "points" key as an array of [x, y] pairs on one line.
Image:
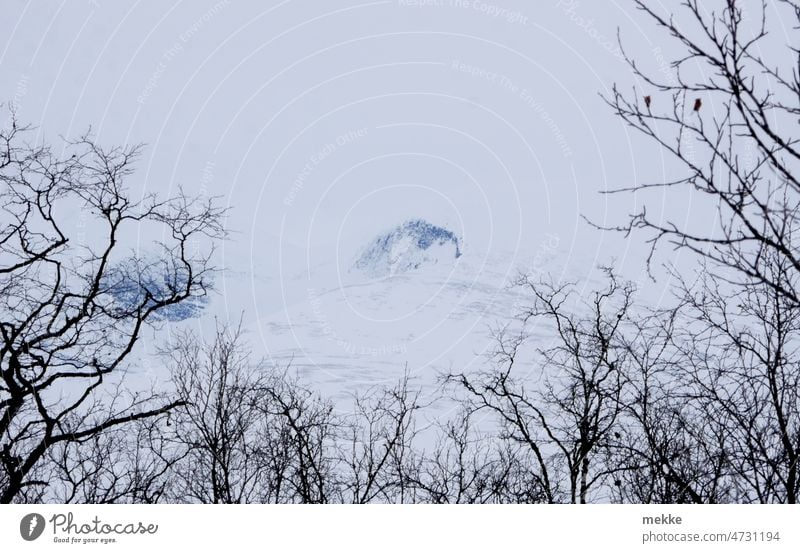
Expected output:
{"points": [[133, 285], [409, 246]]}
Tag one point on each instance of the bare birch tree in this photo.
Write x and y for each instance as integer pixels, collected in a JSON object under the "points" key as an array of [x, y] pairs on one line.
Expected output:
{"points": [[74, 302]]}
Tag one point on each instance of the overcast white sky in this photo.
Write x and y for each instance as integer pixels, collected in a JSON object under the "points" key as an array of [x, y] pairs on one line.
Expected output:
{"points": [[482, 116], [323, 122]]}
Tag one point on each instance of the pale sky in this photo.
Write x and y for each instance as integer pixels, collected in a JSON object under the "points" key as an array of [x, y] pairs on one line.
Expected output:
{"points": [[324, 122]]}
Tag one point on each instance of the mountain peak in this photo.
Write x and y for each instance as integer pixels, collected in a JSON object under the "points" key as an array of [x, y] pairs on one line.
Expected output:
{"points": [[409, 246]]}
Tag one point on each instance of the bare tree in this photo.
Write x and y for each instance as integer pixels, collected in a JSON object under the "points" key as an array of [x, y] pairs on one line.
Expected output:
{"points": [[307, 431], [127, 464], [728, 117], [473, 466], [567, 418], [666, 448], [717, 408], [218, 422], [74, 303], [251, 433], [742, 362], [378, 455]]}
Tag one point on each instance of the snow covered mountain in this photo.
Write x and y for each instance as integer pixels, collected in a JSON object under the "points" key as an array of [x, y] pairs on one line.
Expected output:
{"points": [[409, 246], [416, 297]]}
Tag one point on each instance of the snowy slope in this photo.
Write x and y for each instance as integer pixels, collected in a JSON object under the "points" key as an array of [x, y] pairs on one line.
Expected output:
{"points": [[414, 296]]}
